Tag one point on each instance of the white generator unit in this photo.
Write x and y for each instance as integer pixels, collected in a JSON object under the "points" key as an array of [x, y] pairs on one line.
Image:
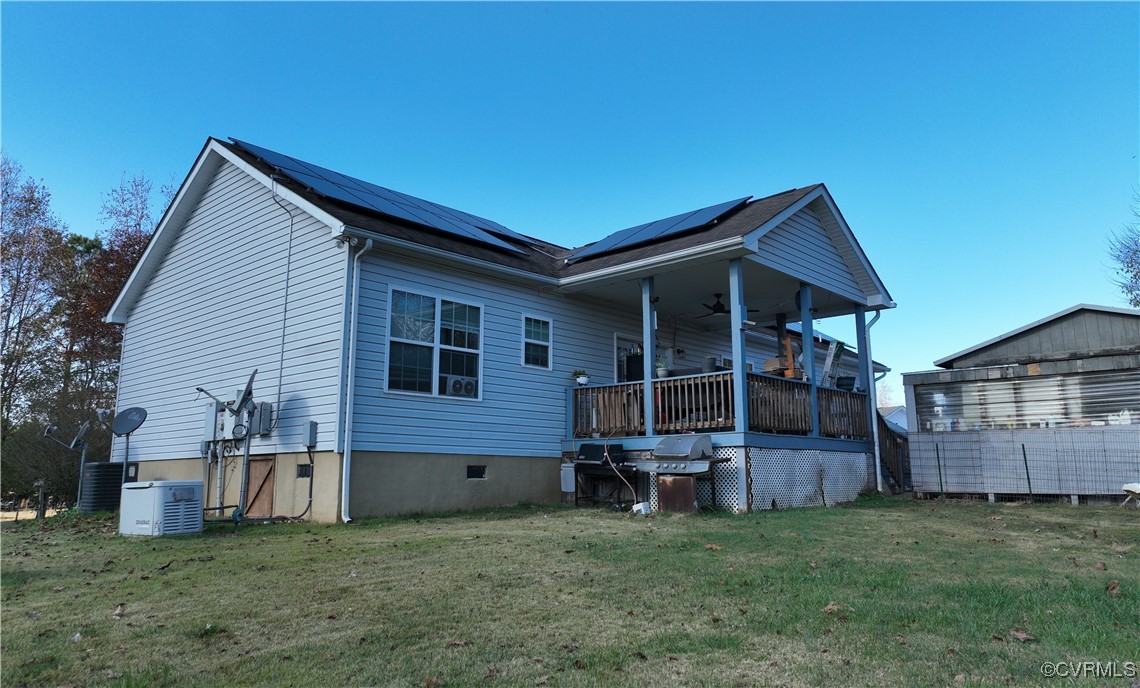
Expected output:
{"points": [[161, 507]]}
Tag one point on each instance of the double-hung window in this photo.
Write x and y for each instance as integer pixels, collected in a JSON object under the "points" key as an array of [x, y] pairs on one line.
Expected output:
{"points": [[434, 345], [536, 342]]}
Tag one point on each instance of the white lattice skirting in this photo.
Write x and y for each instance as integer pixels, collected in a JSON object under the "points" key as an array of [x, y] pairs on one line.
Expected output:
{"points": [[782, 478]]}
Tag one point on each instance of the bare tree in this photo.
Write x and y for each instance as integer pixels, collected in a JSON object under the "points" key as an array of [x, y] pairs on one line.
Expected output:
{"points": [[36, 258], [1124, 250], [885, 394]]}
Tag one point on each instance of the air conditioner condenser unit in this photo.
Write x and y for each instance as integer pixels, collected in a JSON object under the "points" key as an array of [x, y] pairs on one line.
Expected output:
{"points": [[161, 507]]}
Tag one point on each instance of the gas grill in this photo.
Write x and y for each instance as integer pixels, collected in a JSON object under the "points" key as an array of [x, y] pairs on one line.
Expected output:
{"points": [[597, 478], [677, 462]]}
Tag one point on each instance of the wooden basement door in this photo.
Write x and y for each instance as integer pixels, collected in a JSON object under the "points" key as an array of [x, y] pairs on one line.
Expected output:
{"points": [[259, 502]]}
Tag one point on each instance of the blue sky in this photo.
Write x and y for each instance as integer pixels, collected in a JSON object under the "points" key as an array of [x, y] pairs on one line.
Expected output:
{"points": [[981, 152]]}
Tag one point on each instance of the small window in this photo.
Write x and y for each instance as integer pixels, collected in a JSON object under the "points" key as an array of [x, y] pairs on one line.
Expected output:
{"points": [[536, 342]]}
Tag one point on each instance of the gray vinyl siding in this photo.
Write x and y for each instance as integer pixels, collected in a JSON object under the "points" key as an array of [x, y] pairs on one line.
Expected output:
{"points": [[802, 247], [212, 312], [1081, 334], [522, 411]]}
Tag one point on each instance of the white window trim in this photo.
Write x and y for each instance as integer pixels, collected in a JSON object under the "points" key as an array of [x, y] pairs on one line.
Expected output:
{"points": [[435, 343], [524, 341]]}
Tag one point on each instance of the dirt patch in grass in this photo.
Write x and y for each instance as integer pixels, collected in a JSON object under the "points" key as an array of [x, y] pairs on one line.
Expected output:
{"points": [[880, 593]]}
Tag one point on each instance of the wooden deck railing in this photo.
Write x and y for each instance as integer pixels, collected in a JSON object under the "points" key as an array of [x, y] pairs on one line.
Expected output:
{"points": [[704, 403], [778, 405], [693, 403], [607, 410], [894, 455], [842, 413]]}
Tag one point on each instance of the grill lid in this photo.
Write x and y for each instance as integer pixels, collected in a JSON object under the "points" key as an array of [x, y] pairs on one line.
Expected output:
{"points": [[684, 448]]}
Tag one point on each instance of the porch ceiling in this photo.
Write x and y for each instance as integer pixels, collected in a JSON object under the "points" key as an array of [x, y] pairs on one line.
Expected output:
{"points": [[683, 290]]}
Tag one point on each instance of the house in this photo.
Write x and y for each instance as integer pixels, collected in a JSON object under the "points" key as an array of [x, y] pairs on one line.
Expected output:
{"points": [[1051, 408], [895, 415], [413, 357]]}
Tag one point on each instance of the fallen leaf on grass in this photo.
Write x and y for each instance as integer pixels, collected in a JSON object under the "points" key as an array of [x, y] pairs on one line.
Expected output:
{"points": [[1101, 567], [713, 548], [997, 638], [831, 608], [1021, 635], [672, 658], [1112, 588], [57, 589], [120, 611], [1094, 533], [460, 643], [812, 564], [641, 656], [579, 664], [491, 673], [995, 518], [960, 678], [76, 638], [166, 565]]}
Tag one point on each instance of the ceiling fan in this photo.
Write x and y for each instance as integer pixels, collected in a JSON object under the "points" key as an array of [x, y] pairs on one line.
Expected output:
{"points": [[718, 308]]}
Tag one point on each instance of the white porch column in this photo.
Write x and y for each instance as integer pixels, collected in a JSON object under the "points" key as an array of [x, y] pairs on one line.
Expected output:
{"points": [[807, 347], [737, 311], [649, 351]]}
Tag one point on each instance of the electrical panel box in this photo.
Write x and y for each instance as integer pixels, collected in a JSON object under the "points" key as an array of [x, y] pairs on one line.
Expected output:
{"points": [[261, 422], [215, 422], [311, 434], [161, 507]]}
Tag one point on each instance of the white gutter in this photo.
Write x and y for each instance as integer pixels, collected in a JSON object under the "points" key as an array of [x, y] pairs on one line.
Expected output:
{"points": [[628, 269], [874, 406], [351, 387], [413, 247]]}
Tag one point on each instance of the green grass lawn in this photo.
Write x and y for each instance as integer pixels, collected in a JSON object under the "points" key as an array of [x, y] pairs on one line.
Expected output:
{"points": [[880, 592]]}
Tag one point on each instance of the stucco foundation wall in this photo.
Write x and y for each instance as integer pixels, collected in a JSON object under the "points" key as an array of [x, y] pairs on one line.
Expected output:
{"points": [[387, 483], [290, 493]]}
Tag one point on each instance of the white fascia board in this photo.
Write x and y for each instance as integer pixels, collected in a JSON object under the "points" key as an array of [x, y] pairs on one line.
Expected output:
{"points": [[202, 172], [876, 301], [730, 248], [883, 296], [445, 257], [1037, 323], [752, 239]]}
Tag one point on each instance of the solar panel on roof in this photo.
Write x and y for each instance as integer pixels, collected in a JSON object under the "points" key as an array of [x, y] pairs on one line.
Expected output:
{"points": [[657, 229], [341, 187]]}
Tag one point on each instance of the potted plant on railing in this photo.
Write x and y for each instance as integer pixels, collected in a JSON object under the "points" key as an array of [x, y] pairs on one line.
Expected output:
{"points": [[662, 369], [581, 376]]}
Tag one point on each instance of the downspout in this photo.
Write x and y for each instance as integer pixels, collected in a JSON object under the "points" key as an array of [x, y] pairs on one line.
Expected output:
{"points": [[874, 404], [351, 386]]}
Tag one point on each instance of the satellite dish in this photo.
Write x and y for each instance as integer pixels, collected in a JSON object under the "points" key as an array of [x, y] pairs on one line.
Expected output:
{"points": [[128, 421], [79, 435], [246, 395]]}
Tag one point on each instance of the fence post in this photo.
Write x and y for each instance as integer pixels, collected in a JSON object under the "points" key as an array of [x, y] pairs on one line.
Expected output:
{"points": [[1025, 458], [41, 508], [941, 488]]}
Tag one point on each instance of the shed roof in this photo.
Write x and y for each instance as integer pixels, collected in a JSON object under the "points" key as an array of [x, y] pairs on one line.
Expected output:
{"points": [[1105, 340]]}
